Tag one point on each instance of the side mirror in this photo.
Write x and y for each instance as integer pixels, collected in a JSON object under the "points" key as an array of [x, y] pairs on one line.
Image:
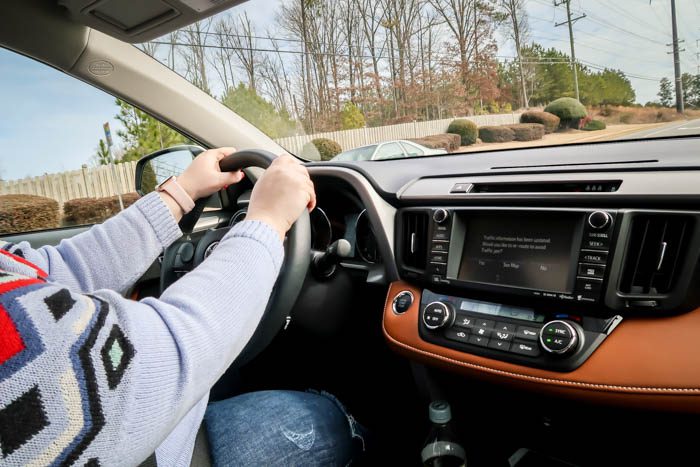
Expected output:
{"points": [[154, 168]]}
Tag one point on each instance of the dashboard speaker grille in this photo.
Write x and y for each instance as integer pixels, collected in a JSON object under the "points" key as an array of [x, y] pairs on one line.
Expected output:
{"points": [[653, 258], [415, 238]]}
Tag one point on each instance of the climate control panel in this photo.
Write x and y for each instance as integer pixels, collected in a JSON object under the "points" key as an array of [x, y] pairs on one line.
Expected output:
{"points": [[555, 341]]}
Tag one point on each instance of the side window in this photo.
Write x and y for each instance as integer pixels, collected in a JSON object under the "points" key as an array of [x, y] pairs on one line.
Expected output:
{"points": [[412, 150], [389, 151], [57, 167]]}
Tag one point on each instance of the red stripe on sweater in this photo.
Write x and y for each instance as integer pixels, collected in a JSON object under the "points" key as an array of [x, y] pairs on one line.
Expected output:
{"points": [[40, 272], [8, 286], [10, 341]]}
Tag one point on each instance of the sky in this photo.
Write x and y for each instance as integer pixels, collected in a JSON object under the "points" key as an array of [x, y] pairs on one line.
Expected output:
{"points": [[52, 122]]}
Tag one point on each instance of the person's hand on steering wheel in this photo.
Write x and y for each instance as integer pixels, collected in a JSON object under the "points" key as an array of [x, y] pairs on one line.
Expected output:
{"points": [[281, 194]]}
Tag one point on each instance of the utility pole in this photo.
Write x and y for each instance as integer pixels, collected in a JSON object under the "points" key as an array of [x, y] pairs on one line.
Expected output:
{"points": [[676, 60], [570, 21]]}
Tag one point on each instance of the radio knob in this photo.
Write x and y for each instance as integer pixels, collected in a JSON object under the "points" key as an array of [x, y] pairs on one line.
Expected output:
{"points": [[599, 220], [437, 315], [440, 215], [559, 338]]}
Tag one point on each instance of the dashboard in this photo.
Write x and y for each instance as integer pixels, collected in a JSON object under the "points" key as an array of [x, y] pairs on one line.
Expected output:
{"points": [[578, 277]]}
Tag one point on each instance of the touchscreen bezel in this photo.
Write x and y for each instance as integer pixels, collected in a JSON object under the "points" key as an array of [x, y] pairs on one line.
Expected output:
{"points": [[459, 234]]}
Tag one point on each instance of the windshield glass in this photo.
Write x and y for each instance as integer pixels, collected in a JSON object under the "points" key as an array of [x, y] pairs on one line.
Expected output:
{"points": [[325, 77]]}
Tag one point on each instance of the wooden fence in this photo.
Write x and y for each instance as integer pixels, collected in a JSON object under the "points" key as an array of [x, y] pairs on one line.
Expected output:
{"points": [[349, 139], [93, 182], [97, 182]]}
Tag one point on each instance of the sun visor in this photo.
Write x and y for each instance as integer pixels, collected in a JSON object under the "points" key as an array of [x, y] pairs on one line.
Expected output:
{"points": [[143, 20]]}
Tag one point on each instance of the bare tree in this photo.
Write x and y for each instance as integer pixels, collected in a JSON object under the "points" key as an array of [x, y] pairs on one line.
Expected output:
{"points": [[371, 16], [223, 55], [516, 23], [245, 48], [194, 38]]}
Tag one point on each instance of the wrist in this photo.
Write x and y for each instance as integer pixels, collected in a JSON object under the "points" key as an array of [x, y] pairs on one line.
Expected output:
{"points": [[184, 182], [276, 226]]}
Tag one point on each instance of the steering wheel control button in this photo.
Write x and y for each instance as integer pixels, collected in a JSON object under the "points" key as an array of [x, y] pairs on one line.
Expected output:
{"points": [[402, 302], [596, 271], [558, 337], [437, 315], [440, 215], [525, 348], [499, 345], [527, 333], [599, 220]]}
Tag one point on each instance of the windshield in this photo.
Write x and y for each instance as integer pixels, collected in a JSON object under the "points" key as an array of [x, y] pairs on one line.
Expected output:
{"points": [[325, 78]]}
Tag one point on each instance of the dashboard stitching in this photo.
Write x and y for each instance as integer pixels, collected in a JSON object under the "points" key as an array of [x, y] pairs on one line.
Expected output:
{"points": [[538, 379]]}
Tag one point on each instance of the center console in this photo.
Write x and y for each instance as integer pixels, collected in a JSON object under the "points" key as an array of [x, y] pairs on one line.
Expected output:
{"points": [[542, 287]]}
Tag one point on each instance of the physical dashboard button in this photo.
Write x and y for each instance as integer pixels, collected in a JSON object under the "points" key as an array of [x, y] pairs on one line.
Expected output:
{"points": [[402, 302], [483, 332], [464, 321], [559, 337], [499, 345], [437, 315], [595, 257], [438, 258], [437, 268], [525, 348], [479, 340], [458, 335], [588, 286], [441, 235], [591, 270], [558, 329], [527, 333], [439, 247], [460, 187], [485, 323], [505, 327], [440, 215], [596, 240], [502, 336]]}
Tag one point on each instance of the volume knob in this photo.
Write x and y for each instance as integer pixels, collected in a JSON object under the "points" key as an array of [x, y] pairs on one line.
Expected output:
{"points": [[440, 215], [438, 315], [599, 220]]}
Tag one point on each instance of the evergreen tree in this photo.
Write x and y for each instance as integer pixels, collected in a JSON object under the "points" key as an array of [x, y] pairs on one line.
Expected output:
{"points": [[261, 113], [666, 92]]}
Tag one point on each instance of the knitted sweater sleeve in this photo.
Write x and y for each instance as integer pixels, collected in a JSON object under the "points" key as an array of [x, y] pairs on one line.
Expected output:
{"points": [[112, 255], [101, 380]]}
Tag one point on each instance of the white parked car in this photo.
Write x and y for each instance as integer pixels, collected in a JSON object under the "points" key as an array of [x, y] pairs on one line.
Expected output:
{"points": [[387, 150]]}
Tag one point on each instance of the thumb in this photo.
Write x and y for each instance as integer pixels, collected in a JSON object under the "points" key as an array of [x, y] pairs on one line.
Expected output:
{"points": [[229, 178]]}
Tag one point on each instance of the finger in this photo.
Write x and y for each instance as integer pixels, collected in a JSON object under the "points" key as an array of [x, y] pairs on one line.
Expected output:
{"points": [[229, 178], [223, 152], [312, 201]]}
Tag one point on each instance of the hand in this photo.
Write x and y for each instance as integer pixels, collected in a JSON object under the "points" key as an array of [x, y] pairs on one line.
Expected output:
{"points": [[281, 194], [203, 177]]}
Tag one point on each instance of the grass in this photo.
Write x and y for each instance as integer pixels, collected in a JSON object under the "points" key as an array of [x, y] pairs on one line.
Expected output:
{"points": [[612, 115]]}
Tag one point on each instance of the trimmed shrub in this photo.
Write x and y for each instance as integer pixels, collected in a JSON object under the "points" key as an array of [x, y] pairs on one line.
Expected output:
{"points": [[594, 125], [569, 111], [549, 120], [23, 213], [321, 149], [527, 131], [94, 210], [448, 141], [466, 129], [496, 134]]}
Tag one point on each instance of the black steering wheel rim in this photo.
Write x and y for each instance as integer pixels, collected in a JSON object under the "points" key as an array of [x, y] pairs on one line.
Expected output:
{"points": [[293, 272]]}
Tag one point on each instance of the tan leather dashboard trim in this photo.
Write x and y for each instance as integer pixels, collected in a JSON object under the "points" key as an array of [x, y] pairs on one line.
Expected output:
{"points": [[650, 362]]}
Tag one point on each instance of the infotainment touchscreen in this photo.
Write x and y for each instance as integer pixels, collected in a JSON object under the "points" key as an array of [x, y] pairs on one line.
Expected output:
{"points": [[526, 250]]}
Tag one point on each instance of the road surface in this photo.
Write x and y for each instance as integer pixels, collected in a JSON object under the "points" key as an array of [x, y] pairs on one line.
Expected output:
{"points": [[683, 128]]}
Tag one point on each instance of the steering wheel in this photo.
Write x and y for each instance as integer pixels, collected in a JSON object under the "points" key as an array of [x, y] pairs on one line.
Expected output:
{"points": [[297, 251]]}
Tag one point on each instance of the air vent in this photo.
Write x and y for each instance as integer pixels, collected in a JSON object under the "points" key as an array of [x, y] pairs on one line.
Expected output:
{"points": [[594, 186], [415, 238], [655, 251]]}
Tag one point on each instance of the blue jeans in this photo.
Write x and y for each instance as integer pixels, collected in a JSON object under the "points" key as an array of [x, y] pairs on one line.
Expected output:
{"points": [[282, 428]]}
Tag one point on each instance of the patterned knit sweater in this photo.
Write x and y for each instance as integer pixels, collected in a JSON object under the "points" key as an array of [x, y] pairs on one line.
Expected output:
{"points": [[88, 377]]}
